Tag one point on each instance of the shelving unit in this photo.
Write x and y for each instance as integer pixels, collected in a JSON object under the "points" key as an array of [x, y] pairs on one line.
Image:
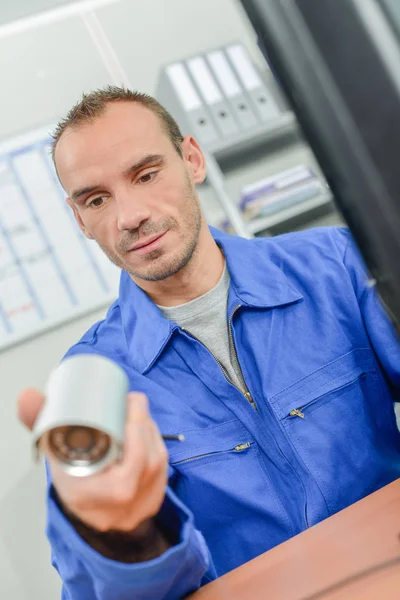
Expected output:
{"points": [[248, 155], [284, 125], [289, 214]]}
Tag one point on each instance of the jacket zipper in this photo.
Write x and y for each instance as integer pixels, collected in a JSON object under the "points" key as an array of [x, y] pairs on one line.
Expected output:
{"points": [[238, 448], [255, 406], [298, 412], [246, 392]]}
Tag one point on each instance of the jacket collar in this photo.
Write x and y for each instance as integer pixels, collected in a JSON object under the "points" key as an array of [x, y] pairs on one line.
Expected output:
{"points": [[255, 282]]}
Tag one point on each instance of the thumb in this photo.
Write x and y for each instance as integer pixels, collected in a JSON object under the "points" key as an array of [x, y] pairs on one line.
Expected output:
{"points": [[137, 408], [29, 403]]}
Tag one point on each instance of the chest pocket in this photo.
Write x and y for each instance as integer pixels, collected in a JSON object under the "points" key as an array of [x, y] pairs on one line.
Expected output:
{"points": [[202, 446], [336, 421], [218, 473]]}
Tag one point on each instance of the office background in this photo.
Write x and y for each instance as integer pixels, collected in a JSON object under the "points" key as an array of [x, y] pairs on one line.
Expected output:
{"points": [[47, 59]]}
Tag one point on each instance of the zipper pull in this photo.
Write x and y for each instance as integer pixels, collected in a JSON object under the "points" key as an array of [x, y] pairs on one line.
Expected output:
{"points": [[248, 397], [241, 447], [296, 412]]}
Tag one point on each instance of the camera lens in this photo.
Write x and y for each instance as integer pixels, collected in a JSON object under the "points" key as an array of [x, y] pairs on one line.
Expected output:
{"points": [[78, 445]]}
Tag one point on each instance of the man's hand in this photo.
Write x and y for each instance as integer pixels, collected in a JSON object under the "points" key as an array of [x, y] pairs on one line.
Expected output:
{"points": [[125, 496]]}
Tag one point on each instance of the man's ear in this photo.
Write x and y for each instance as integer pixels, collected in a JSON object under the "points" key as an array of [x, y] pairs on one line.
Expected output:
{"points": [[78, 219], [194, 158]]}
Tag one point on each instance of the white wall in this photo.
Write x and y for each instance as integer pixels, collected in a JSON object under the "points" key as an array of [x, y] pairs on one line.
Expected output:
{"points": [[42, 73]]}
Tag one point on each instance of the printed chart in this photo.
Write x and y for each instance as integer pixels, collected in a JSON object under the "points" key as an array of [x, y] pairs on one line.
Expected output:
{"points": [[49, 271]]}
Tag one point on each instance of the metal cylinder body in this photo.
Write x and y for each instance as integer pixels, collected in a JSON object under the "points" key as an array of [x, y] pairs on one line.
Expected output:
{"points": [[83, 417]]}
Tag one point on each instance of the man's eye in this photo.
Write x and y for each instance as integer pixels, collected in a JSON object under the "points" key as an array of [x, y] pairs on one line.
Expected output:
{"points": [[96, 202], [147, 178]]}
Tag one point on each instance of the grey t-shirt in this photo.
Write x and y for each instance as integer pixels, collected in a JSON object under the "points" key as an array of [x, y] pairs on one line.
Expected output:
{"points": [[206, 319]]}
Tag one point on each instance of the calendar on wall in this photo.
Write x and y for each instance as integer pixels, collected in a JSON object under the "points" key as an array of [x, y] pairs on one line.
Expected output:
{"points": [[49, 272]]}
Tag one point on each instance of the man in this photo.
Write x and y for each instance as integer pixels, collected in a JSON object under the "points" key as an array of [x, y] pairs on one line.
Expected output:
{"points": [[273, 356]]}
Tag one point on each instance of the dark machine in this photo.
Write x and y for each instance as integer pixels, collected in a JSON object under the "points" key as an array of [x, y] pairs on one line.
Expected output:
{"points": [[338, 62]]}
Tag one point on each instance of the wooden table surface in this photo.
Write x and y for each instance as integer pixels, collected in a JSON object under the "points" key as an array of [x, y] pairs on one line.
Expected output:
{"points": [[336, 552]]}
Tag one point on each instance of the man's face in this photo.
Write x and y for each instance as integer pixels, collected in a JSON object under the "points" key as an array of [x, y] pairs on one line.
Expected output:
{"points": [[131, 191]]}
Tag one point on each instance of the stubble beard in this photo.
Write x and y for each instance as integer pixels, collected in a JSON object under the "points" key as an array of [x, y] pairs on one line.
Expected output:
{"points": [[158, 269]]}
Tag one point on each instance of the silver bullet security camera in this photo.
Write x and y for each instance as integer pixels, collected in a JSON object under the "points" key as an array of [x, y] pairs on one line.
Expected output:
{"points": [[82, 421]]}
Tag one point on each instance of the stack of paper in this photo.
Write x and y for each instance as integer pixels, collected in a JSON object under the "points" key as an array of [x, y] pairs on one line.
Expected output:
{"points": [[279, 191]]}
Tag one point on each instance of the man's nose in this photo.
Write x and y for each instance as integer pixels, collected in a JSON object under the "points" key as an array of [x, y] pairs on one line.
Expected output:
{"points": [[130, 212]]}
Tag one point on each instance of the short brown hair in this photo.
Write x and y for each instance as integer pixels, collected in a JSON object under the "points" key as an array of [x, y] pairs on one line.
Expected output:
{"points": [[94, 104]]}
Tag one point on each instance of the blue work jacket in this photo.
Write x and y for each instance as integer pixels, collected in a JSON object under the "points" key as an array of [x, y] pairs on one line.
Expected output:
{"points": [[322, 364]]}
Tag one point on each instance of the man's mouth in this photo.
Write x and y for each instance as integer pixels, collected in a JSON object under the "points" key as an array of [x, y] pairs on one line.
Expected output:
{"points": [[148, 244]]}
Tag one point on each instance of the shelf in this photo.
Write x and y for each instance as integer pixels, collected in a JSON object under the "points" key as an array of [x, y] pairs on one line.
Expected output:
{"points": [[256, 136], [258, 225]]}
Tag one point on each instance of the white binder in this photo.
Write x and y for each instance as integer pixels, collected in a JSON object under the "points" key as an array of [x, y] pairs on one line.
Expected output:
{"points": [[197, 112], [262, 99], [212, 96], [228, 82]]}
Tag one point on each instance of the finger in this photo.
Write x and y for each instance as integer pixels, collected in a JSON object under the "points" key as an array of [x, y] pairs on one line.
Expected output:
{"points": [[141, 449], [157, 460], [137, 419], [137, 407], [150, 443], [154, 452], [158, 447], [29, 404]]}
